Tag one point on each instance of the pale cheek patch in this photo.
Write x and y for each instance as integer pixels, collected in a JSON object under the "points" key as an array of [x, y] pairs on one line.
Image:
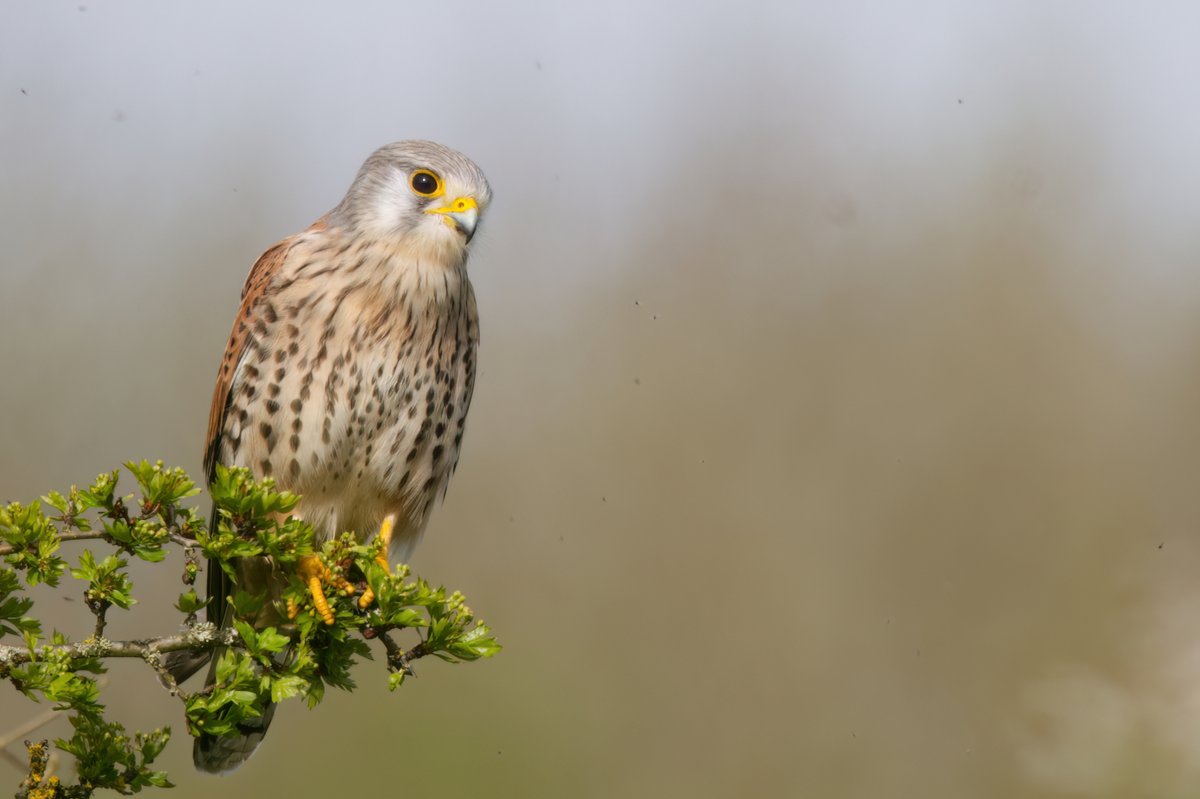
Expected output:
{"points": [[392, 205]]}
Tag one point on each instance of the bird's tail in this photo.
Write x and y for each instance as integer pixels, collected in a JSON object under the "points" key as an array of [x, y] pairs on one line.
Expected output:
{"points": [[183, 664], [220, 754]]}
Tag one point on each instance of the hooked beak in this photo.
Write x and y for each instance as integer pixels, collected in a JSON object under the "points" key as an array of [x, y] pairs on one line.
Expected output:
{"points": [[461, 214]]}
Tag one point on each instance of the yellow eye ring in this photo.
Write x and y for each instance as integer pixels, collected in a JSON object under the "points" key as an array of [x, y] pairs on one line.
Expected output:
{"points": [[426, 183]]}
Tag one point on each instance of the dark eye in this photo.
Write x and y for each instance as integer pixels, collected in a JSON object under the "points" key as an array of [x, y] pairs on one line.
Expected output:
{"points": [[425, 183]]}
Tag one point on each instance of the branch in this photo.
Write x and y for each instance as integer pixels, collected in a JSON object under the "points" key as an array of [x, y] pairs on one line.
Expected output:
{"points": [[68, 535], [263, 662], [201, 638], [397, 658], [17, 733]]}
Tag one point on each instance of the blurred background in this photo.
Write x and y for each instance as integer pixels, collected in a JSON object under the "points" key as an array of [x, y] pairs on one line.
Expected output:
{"points": [[837, 429]]}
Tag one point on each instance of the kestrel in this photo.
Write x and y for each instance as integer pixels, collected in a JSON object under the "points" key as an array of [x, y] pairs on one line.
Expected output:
{"points": [[350, 368]]}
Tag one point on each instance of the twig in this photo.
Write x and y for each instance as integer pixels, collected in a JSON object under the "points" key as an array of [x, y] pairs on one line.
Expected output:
{"points": [[34, 723], [100, 610], [202, 637], [69, 535], [164, 674], [19, 733], [395, 652], [183, 540], [397, 658], [12, 760], [417, 652]]}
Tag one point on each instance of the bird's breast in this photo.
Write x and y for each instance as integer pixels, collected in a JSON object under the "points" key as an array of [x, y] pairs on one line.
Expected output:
{"points": [[354, 394]]}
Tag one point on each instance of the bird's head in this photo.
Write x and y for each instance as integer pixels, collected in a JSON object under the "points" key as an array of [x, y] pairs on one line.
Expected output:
{"points": [[419, 195]]}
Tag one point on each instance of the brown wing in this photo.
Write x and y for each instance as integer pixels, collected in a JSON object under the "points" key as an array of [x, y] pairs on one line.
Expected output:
{"points": [[252, 293]]}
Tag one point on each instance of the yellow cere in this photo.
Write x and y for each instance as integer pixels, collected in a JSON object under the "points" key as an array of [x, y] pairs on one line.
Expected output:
{"points": [[455, 207]]}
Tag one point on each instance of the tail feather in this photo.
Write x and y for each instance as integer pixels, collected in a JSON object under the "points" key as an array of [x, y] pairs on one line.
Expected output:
{"points": [[221, 754], [183, 664]]}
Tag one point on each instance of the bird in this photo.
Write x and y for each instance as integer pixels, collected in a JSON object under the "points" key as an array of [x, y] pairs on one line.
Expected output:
{"points": [[349, 372]]}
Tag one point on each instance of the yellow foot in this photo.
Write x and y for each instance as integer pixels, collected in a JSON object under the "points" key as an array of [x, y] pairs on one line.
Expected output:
{"points": [[313, 573], [385, 539]]}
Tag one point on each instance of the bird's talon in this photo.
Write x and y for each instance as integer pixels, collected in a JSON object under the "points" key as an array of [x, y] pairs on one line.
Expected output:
{"points": [[313, 572], [384, 540]]}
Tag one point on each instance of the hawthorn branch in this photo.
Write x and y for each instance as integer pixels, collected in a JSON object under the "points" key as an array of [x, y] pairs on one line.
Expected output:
{"points": [[68, 535], [189, 544], [100, 611], [397, 658], [252, 523], [17, 733], [203, 637], [200, 638]]}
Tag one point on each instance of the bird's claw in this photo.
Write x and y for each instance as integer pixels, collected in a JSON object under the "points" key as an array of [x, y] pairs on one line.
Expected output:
{"points": [[384, 540], [315, 574]]}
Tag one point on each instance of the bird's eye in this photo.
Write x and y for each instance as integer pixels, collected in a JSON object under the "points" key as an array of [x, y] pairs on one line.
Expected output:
{"points": [[425, 183]]}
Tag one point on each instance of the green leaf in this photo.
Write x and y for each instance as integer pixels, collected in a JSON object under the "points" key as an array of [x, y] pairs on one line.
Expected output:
{"points": [[287, 687], [56, 501], [270, 641], [30, 635], [248, 635], [189, 602], [246, 605], [474, 644], [34, 541], [87, 567], [107, 581], [161, 487], [13, 607]]}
